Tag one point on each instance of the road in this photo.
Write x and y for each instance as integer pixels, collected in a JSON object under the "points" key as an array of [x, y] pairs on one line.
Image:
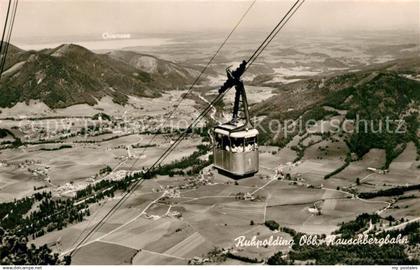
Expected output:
{"points": [[213, 113], [399, 226]]}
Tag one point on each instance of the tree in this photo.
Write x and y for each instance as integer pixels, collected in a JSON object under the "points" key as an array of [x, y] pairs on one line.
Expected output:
{"points": [[276, 259], [272, 225], [15, 251]]}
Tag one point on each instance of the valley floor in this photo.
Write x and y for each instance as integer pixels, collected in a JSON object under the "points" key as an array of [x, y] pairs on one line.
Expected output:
{"points": [[155, 228]]}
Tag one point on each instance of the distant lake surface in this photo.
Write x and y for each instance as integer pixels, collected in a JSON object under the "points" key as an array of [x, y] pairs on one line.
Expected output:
{"points": [[102, 44]]}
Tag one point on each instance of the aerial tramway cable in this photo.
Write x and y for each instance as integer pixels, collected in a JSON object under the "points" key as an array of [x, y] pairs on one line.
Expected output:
{"points": [[178, 104], [138, 181], [8, 36], [283, 22], [7, 32], [197, 79], [273, 33], [5, 25], [191, 87], [253, 57]]}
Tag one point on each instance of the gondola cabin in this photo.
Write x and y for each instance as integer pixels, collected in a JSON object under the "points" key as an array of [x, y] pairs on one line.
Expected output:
{"points": [[235, 149], [235, 152]]}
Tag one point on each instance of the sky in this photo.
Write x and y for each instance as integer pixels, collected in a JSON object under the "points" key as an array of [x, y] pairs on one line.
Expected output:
{"points": [[50, 18]]}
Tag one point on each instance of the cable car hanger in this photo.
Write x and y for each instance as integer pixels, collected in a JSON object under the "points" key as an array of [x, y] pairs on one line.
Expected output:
{"points": [[234, 77], [234, 80]]}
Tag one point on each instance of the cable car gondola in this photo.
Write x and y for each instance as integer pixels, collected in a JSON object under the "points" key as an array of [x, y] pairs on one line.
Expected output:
{"points": [[235, 148]]}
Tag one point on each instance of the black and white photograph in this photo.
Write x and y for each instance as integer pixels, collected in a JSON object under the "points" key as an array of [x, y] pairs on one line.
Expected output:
{"points": [[209, 133]]}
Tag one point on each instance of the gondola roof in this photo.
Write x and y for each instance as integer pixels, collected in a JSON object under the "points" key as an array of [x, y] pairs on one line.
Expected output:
{"points": [[226, 129]]}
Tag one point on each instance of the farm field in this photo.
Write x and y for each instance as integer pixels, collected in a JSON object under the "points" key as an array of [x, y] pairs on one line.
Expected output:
{"points": [[152, 227], [147, 227]]}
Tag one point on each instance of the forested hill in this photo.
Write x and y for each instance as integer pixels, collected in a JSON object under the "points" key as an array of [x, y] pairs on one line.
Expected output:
{"points": [[388, 92], [70, 74]]}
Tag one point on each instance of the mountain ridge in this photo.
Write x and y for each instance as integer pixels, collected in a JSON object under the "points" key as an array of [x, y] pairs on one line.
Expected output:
{"points": [[71, 74], [372, 95]]}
